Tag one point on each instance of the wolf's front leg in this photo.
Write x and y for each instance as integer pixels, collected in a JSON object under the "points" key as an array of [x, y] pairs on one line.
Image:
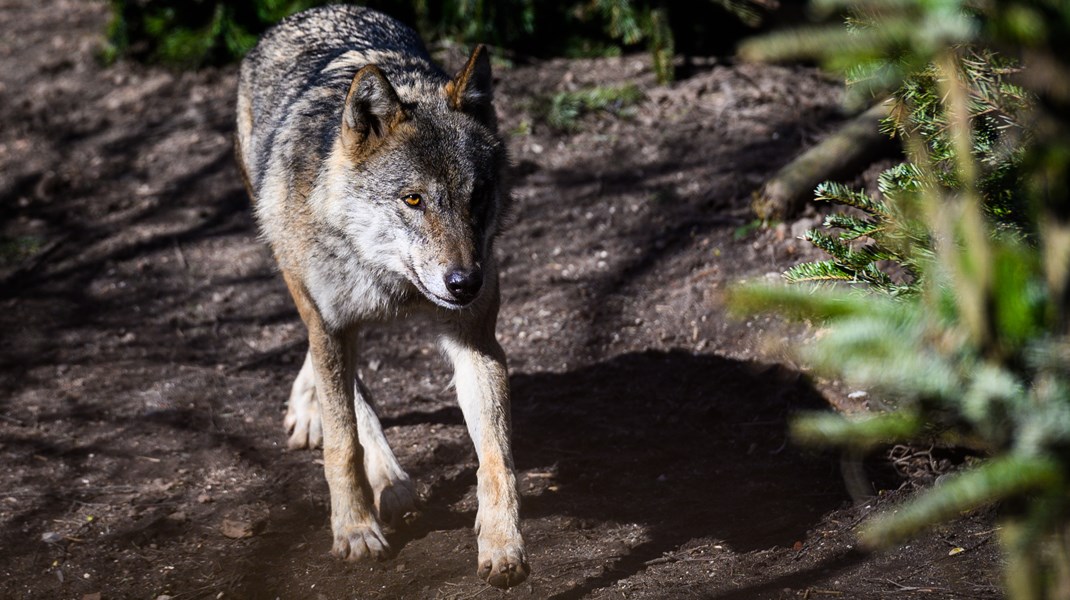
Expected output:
{"points": [[357, 533], [482, 383]]}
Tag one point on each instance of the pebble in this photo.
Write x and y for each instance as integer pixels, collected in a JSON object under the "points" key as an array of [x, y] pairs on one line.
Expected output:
{"points": [[237, 529], [51, 537]]}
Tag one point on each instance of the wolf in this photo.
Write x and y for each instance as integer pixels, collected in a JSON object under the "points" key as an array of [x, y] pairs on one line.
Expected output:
{"points": [[378, 182]]}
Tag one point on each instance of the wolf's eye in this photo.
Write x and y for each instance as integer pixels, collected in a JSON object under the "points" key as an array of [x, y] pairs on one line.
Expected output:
{"points": [[413, 200]]}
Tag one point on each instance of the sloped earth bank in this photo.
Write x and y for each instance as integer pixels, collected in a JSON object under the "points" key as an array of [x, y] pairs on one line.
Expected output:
{"points": [[149, 345]]}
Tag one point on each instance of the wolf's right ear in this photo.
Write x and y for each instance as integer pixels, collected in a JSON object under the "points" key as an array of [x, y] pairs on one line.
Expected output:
{"points": [[371, 112]]}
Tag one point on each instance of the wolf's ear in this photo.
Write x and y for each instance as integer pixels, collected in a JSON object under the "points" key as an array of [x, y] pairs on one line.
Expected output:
{"points": [[371, 112], [472, 90]]}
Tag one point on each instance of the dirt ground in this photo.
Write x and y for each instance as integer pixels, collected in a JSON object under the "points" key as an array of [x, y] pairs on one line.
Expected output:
{"points": [[149, 345]]}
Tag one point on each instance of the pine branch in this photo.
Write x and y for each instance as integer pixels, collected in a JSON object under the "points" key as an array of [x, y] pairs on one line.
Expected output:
{"points": [[998, 479], [826, 270], [840, 251], [801, 302], [831, 191], [853, 227], [835, 430]]}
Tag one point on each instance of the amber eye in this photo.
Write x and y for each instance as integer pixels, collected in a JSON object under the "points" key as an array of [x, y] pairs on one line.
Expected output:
{"points": [[413, 200]]}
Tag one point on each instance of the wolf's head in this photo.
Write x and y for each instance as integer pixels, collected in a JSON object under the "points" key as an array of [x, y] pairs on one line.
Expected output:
{"points": [[422, 194]]}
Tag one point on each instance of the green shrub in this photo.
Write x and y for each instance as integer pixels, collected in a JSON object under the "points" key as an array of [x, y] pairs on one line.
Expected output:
{"points": [[192, 33], [974, 346], [890, 232]]}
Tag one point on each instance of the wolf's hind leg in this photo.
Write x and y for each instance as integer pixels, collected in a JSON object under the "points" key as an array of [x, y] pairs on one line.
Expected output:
{"points": [[392, 489], [302, 420]]}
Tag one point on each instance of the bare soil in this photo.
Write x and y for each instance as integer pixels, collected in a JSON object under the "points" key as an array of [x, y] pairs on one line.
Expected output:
{"points": [[149, 345]]}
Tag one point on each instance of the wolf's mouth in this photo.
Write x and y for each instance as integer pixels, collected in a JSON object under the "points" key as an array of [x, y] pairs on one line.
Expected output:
{"points": [[449, 303]]}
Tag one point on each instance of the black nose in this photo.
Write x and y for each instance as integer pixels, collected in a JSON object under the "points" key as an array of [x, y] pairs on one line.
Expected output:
{"points": [[464, 284]]}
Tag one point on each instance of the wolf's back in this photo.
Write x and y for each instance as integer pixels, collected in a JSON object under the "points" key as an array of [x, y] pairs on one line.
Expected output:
{"points": [[292, 85]]}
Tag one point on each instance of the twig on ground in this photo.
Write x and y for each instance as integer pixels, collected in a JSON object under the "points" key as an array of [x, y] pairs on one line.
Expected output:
{"points": [[181, 256], [912, 588]]}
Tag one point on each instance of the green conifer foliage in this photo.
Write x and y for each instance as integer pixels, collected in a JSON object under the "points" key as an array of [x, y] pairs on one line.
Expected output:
{"points": [[889, 231], [973, 346]]}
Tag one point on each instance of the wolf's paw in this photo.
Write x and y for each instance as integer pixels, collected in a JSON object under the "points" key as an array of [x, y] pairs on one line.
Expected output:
{"points": [[503, 567], [394, 498], [360, 542]]}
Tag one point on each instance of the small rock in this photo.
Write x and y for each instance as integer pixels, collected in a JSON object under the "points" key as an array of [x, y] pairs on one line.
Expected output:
{"points": [[204, 498], [164, 597], [857, 395], [51, 537], [161, 485], [236, 529], [91, 596], [244, 521]]}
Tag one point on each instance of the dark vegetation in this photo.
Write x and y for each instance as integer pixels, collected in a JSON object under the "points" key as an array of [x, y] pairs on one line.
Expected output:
{"points": [[202, 32]]}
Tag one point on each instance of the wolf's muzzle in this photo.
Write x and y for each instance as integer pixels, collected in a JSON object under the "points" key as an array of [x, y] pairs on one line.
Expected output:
{"points": [[464, 284]]}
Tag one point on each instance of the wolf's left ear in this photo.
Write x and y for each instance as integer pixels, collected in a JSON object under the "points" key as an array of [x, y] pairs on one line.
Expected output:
{"points": [[371, 112], [472, 90]]}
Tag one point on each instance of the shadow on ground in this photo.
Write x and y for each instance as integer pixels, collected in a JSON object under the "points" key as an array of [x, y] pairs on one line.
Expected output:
{"points": [[688, 446], [683, 447]]}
